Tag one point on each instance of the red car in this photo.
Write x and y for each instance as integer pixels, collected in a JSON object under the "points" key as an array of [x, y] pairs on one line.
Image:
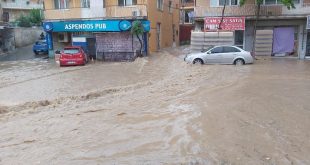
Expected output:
{"points": [[73, 55]]}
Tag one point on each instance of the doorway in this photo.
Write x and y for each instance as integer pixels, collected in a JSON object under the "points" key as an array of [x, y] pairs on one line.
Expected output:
{"points": [[308, 45], [158, 34], [91, 47]]}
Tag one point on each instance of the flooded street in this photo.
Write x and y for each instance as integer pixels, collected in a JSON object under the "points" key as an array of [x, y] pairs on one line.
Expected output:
{"points": [[156, 110]]}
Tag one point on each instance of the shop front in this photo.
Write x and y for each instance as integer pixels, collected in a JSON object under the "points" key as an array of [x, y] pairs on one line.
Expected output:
{"points": [[109, 40], [277, 37]]}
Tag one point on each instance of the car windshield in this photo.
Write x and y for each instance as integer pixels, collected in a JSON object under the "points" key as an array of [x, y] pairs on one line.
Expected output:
{"points": [[206, 49], [71, 50]]}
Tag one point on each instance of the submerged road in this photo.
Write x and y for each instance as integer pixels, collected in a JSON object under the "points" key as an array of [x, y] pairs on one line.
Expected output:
{"points": [[156, 110]]}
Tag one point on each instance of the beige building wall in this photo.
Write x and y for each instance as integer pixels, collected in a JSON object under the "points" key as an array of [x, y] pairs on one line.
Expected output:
{"points": [[166, 20]]}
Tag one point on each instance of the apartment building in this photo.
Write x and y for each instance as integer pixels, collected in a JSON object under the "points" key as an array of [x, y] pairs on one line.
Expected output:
{"points": [[280, 31], [12, 9], [102, 27], [187, 16]]}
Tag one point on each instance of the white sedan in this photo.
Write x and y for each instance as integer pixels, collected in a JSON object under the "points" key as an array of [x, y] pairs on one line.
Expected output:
{"points": [[221, 55]]}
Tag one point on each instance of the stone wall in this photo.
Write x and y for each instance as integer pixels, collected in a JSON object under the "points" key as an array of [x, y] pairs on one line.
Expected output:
{"points": [[7, 42], [26, 36]]}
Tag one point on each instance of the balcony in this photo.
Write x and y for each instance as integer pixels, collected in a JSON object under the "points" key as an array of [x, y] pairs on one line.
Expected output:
{"points": [[301, 9], [21, 5], [96, 12], [74, 13], [246, 10], [126, 11]]}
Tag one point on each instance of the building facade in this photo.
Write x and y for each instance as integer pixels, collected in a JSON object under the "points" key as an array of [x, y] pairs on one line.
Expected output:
{"points": [[280, 31], [103, 27], [12, 9], [187, 16]]}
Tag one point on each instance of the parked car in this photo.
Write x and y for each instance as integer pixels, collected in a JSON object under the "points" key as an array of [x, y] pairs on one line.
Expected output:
{"points": [[221, 55], [40, 47], [73, 55]]}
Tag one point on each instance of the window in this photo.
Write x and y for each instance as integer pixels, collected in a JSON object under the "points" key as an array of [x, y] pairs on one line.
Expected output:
{"points": [[160, 5], [170, 6], [216, 3], [127, 2], [6, 16], [189, 16], [61, 4], [229, 49], [217, 50], [85, 3]]}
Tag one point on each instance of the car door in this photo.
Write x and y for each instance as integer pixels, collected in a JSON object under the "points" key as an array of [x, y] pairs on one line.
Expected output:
{"points": [[214, 55], [229, 54]]}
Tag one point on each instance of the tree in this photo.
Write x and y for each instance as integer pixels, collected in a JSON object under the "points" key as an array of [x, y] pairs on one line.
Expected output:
{"points": [[138, 29], [223, 13], [24, 21], [288, 3], [35, 16]]}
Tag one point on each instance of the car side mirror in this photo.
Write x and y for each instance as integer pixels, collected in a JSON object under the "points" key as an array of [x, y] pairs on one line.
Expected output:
{"points": [[208, 52]]}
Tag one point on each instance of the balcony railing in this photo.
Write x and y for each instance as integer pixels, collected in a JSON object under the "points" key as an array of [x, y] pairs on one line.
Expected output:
{"points": [[74, 13], [246, 10], [249, 10], [18, 4], [96, 12], [126, 11]]}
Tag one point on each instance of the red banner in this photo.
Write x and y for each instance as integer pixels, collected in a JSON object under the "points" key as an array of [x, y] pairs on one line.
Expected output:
{"points": [[228, 23]]}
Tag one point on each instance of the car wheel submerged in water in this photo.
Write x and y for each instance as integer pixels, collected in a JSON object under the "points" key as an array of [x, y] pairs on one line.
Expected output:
{"points": [[198, 61], [239, 62]]}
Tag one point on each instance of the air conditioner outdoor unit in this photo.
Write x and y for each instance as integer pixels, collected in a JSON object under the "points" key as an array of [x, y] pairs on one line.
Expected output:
{"points": [[63, 37], [136, 13]]}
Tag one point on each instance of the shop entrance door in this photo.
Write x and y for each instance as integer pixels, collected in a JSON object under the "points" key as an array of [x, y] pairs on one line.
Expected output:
{"points": [[91, 47], [308, 45]]}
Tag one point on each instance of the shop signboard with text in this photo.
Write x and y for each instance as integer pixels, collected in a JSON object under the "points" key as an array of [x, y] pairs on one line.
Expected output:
{"points": [[228, 23], [92, 26]]}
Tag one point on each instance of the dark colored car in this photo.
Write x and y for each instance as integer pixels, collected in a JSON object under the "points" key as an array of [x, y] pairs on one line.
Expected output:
{"points": [[40, 47], [73, 55]]}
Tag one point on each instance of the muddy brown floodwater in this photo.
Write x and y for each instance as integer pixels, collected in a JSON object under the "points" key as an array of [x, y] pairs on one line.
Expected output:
{"points": [[156, 110]]}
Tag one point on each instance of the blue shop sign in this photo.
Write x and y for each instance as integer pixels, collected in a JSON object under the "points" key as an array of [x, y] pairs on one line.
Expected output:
{"points": [[92, 26]]}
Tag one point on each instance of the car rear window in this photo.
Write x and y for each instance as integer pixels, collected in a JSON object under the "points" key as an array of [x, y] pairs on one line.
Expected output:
{"points": [[71, 51]]}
